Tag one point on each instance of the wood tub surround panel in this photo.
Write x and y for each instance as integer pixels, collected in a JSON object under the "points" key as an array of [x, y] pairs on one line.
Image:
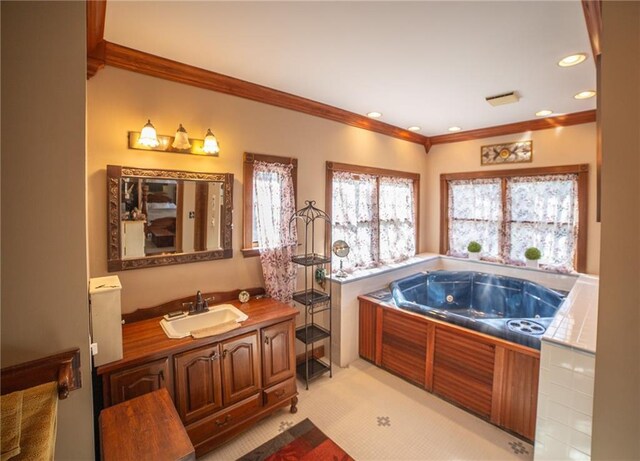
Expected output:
{"points": [[490, 377], [367, 338], [463, 371], [404, 346], [220, 385], [520, 393]]}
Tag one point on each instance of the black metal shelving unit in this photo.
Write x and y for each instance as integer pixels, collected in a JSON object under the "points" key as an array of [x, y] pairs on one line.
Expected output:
{"points": [[313, 299]]}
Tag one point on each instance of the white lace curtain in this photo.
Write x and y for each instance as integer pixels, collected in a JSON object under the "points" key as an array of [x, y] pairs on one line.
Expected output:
{"points": [[378, 229], [475, 214], [355, 219], [541, 211], [274, 204], [397, 219]]}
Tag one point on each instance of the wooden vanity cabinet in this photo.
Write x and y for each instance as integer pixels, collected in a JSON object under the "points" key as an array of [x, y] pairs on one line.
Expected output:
{"points": [[278, 354], [220, 385], [136, 381], [240, 368], [198, 379]]}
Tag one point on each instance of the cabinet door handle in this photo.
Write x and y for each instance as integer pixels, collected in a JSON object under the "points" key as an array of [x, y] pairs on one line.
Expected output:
{"points": [[224, 353], [224, 422], [161, 375], [266, 340], [214, 356]]}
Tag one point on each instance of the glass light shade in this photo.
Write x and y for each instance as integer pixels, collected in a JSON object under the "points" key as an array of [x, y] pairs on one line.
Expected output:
{"points": [[181, 140], [148, 136], [211, 145]]}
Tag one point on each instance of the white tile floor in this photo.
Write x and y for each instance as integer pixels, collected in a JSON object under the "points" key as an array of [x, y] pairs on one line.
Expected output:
{"points": [[374, 415]]}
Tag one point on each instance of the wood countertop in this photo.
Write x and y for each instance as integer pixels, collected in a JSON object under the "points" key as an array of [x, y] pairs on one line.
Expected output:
{"points": [[145, 340]]}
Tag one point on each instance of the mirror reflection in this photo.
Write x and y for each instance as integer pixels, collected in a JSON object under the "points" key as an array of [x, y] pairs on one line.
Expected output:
{"points": [[164, 216]]}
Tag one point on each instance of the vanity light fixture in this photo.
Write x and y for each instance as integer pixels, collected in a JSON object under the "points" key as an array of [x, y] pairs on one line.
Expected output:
{"points": [[211, 145], [544, 113], [585, 94], [454, 128], [374, 114], [414, 128], [181, 140], [148, 139], [572, 60], [148, 135]]}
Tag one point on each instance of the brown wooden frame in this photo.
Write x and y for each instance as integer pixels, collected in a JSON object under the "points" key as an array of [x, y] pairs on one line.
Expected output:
{"points": [[63, 367], [582, 170], [328, 190], [114, 239], [249, 248], [576, 118]]}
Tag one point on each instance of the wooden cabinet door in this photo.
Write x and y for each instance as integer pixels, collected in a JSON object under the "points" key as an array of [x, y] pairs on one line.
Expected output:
{"points": [[463, 370], [240, 367], [404, 345], [278, 355], [133, 382], [198, 383]]}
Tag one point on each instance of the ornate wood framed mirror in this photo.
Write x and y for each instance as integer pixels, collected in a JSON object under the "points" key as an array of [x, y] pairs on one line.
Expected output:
{"points": [[161, 217]]}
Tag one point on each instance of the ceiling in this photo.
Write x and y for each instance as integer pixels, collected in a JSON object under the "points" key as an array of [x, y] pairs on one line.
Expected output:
{"points": [[429, 64]]}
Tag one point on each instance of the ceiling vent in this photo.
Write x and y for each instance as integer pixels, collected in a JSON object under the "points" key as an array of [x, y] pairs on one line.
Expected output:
{"points": [[500, 99]]}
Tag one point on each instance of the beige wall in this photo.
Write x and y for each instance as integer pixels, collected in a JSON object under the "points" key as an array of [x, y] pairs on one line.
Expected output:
{"points": [[557, 146], [616, 411], [44, 256], [119, 101]]}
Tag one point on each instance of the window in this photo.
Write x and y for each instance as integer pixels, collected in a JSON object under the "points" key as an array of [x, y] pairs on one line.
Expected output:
{"points": [[510, 210], [375, 211], [268, 201]]}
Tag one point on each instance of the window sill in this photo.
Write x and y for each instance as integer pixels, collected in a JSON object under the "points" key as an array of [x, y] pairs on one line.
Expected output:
{"points": [[366, 273], [250, 252]]}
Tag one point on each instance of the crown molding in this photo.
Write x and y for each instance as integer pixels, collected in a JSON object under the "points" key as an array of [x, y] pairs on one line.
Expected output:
{"points": [[518, 127]]}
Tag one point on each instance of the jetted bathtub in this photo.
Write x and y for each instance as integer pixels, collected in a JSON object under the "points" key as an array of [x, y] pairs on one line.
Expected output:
{"points": [[505, 307]]}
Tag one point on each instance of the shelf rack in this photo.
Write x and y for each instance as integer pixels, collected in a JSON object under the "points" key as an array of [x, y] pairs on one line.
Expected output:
{"points": [[313, 299]]}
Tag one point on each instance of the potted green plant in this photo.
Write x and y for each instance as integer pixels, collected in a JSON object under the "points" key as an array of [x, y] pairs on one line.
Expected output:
{"points": [[532, 255], [474, 249]]}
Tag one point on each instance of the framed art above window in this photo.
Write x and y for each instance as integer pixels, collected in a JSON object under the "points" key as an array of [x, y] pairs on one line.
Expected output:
{"points": [[507, 211]]}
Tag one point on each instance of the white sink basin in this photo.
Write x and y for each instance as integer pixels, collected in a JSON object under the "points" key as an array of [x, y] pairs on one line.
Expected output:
{"points": [[218, 316]]}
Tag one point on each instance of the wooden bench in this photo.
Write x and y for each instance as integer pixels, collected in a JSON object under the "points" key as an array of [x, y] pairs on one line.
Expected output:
{"points": [[146, 427]]}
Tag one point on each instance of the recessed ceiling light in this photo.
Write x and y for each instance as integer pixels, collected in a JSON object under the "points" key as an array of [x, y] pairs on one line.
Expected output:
{"points": [[585, 94], [414, 128], [544, 113], [572, 60], [374, 115], [454, 128]]}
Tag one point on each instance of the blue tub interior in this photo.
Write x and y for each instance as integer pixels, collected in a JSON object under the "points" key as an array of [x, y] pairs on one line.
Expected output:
{"points": [[510, 308]]}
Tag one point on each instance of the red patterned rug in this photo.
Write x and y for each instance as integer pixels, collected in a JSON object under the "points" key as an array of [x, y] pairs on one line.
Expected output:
{"points": [[304, 441]]}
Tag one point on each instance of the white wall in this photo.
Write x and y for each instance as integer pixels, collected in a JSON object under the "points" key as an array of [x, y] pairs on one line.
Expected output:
{"points": [[616, 425], [44, 239]]}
